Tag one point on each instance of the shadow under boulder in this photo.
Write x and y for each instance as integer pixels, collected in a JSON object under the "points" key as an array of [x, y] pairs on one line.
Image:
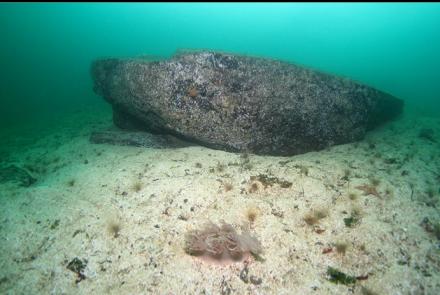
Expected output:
{"points": [[136, 138]]}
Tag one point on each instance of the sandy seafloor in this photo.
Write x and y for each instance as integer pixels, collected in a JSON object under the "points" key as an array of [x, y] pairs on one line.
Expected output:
{"points": [[84, 188]]}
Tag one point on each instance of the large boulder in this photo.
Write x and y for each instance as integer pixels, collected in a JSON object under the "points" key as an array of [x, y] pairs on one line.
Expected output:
{"points": [[240, 103]]}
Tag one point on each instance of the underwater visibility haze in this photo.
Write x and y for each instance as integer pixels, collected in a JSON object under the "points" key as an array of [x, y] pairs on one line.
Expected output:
{"points": [[248, 148]]}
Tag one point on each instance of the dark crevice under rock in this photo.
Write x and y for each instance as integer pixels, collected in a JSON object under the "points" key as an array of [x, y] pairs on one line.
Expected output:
{"points": [[241, 103]]}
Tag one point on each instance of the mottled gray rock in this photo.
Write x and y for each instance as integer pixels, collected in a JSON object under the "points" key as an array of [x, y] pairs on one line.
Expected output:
{"points": [[241, 103]]}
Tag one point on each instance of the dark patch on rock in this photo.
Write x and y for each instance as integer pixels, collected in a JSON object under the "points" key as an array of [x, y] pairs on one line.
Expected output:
{"points": [[241, 103]]}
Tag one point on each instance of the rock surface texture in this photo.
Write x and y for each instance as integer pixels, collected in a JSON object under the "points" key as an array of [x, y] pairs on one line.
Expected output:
{"points": [[240, 103]]}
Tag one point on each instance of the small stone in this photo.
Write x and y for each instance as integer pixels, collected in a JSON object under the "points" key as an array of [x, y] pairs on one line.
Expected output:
{"points": [[255, 280], [244, 274], [277, 213]]}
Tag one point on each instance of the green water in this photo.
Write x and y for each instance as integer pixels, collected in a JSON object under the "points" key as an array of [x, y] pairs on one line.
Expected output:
{"points": [[46, 49]]}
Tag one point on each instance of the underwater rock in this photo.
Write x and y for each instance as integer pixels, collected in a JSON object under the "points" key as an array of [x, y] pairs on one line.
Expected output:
{"points": [[240, 103], [17, 175]]}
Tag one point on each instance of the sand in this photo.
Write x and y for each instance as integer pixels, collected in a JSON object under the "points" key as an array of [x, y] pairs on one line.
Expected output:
{"points": [[124, 211]]}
